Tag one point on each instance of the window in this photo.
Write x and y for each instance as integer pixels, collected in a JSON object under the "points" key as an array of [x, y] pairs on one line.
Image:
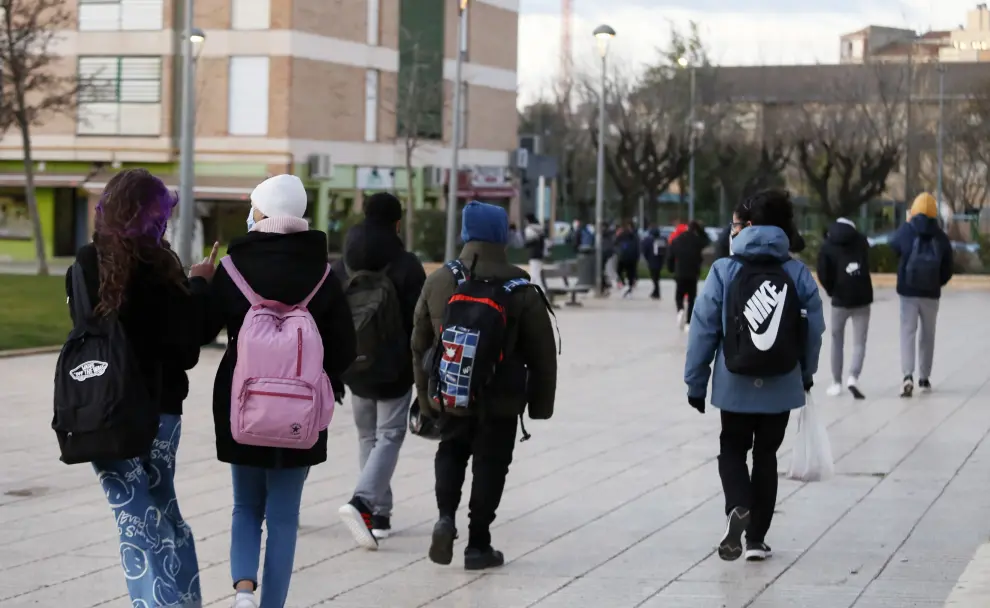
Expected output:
{"points": [[120, 96], [247, 107], [371, 106], [250, 15], [421, 47], [120, 15]]}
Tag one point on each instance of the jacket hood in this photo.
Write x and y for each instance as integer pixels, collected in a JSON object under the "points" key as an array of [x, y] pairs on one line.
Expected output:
{"points": [[755, 241], [923, 224], [302, 252], [371, 246], [842, 233]]}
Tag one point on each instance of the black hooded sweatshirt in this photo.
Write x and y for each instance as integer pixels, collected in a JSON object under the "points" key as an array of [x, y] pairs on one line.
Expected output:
{"points": [[284, 268], [844, 266], [372, 247]]}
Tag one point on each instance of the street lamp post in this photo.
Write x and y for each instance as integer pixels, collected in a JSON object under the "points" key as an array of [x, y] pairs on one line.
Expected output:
{"points": [[603, 35], [941, 134], [191, 39], [453, 182], [684, 62]]}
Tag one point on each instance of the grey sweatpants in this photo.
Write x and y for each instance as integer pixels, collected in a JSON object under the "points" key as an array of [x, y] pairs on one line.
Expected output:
{"points": [[860, 318], [381, 427], [914, 310]]}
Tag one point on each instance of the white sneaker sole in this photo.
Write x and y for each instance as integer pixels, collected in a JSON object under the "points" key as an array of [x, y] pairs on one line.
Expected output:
{"points": [[757, 555], [355, 523], [834, 391], [730, 548], [381, 534]]}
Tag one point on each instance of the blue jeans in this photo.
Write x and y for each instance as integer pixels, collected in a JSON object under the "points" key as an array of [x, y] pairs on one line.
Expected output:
{"points": [[156, 545], [272, 496]]}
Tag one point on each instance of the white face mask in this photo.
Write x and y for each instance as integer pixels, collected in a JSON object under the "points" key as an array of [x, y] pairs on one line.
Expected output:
{"points": [[250, 219], [732, 237]]}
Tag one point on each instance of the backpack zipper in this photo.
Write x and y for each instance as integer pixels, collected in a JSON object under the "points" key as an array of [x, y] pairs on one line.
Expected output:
{"points": [[277, 394], [298, 351]]}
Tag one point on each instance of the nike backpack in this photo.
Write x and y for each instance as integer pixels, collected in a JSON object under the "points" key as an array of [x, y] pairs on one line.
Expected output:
{"points": [[104, 405], [763, 320], [280, 396], [923, 271], [471, 341], [381, 337]]}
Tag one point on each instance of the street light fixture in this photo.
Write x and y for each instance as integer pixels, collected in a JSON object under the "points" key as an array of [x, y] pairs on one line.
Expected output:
{"points": [[192, 41], [453, 182], [603, 37], [693, 126]]}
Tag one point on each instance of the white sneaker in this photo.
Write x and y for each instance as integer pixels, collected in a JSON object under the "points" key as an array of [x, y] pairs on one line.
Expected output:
{"points": [[835, 390], [245, 599], [680, 318], [853, 385], [687, 329]]}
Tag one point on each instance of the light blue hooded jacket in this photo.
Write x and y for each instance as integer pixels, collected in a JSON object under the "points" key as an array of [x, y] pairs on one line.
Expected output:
{"points": [[744, 394]]}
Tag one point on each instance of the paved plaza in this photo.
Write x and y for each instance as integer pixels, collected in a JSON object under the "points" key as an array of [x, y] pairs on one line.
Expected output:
{"points": [[614, 503]]}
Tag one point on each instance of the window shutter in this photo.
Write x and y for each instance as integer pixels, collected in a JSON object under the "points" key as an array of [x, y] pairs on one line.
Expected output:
{"points": [[247, 107]]}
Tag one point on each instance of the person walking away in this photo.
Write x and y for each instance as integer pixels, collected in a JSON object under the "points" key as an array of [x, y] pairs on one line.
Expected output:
{"points": [[680, 228], [760, 319], [923, 269], [516, 240], [684, 259], [654, 252], [627, 246], [610, 274], [844, 273], [132, 307], [482, 427], [722, 243], [382, 282], [536, 245], [271, 435]]}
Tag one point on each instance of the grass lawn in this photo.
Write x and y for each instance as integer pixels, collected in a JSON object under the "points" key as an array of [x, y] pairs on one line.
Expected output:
{"points": [[33, 312]]}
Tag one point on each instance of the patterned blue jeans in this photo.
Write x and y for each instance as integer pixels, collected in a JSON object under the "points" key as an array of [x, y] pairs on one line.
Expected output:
{"points": [[156, 546]]}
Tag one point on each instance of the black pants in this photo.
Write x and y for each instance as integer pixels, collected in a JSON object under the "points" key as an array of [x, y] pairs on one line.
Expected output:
{"points": [[628, 272], [655, 278], [762, 433], [686, 288], [490, 442]]}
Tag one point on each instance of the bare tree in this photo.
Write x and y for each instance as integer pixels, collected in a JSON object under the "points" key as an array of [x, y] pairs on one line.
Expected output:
{"points": [[847, 146], [745, 162], [417, 102], [32, 89]]}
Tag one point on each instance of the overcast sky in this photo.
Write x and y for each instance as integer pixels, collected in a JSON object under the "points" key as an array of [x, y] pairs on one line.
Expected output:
{"points": [[737, 32]]}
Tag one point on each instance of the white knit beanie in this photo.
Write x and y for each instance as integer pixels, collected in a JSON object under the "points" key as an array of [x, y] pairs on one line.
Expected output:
{"points": [[280, 196]]}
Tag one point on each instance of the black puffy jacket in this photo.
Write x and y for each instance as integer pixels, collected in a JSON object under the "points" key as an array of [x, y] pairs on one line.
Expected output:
{"points": [[844, 266]]}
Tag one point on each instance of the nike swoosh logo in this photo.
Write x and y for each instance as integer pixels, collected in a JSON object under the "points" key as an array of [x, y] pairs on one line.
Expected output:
{"points": [[765, 341]]}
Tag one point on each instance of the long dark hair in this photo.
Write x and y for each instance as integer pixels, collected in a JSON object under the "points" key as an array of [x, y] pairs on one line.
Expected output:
{"points": [[130, 229]]}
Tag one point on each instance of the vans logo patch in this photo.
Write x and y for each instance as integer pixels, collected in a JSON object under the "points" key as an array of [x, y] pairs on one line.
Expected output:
{"points": [[87, 370], [766, 303]]}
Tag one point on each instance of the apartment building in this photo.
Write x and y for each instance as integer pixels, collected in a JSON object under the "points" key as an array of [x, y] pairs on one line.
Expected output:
{"points": [[331, 90]]}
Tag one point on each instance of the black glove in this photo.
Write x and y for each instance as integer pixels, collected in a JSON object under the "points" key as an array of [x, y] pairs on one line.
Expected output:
{"points": [[808, 384], [697, 403]]}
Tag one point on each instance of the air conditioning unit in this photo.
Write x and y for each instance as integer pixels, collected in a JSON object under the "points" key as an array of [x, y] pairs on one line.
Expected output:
{"points": [[320, 166], [434, 177]]}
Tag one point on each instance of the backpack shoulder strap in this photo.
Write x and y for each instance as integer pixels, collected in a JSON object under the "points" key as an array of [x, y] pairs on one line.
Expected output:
{"points": [[516, 284], [458, 269], [82, 308], [306, 301], [242, 285]]}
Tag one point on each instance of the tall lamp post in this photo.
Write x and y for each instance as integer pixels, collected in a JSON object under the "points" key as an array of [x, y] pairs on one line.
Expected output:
{"points": [[192, 40], [684, 62], [603, 36], [941, 135], [453, 182]]}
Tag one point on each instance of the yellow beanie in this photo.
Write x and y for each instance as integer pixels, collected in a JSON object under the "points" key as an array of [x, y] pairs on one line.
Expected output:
{"points": [[925, 204]]}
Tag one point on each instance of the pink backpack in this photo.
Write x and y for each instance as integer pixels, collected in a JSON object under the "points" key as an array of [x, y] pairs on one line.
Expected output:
{"points": [[280, 396]]}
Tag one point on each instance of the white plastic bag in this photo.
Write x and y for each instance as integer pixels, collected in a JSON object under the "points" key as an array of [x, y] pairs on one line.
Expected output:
{"points": [[812, 455]]}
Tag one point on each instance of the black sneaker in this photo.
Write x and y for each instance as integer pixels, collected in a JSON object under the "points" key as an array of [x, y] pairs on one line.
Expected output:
{"points": [[907, 387], [381, 526], [442, 545], [482, 559], [357, 517], [925, 385], [758, 552], [730, 548]]}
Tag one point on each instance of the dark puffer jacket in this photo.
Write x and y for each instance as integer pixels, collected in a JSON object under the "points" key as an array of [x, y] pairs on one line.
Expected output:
{"points": [[285, 268], [373, 247], [844, 266]]}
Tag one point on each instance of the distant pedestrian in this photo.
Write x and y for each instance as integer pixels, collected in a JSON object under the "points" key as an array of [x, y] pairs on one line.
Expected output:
{"points": [[382, 282], [760, 319], [684, 260], [280, 260], [654, 252], [722, 244], [516, 240], [844, 273], [627, 264], [517, 374], [535, 239], [924, 268]]}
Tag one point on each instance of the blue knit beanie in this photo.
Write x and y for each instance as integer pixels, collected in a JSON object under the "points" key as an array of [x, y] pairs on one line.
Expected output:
{"points": [[484, 222]]}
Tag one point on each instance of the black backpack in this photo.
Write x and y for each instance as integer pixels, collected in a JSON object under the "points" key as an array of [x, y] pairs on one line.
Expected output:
{"points": [[764, 325], [104, 409], [923, 270], [377, 317], [472, 340]]}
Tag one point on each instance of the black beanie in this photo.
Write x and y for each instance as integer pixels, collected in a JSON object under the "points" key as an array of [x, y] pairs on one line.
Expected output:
{"points": [[382, 208]]}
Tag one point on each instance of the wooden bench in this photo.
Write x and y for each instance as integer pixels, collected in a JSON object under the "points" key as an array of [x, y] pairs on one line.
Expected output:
{"points": [[563, 271]]}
